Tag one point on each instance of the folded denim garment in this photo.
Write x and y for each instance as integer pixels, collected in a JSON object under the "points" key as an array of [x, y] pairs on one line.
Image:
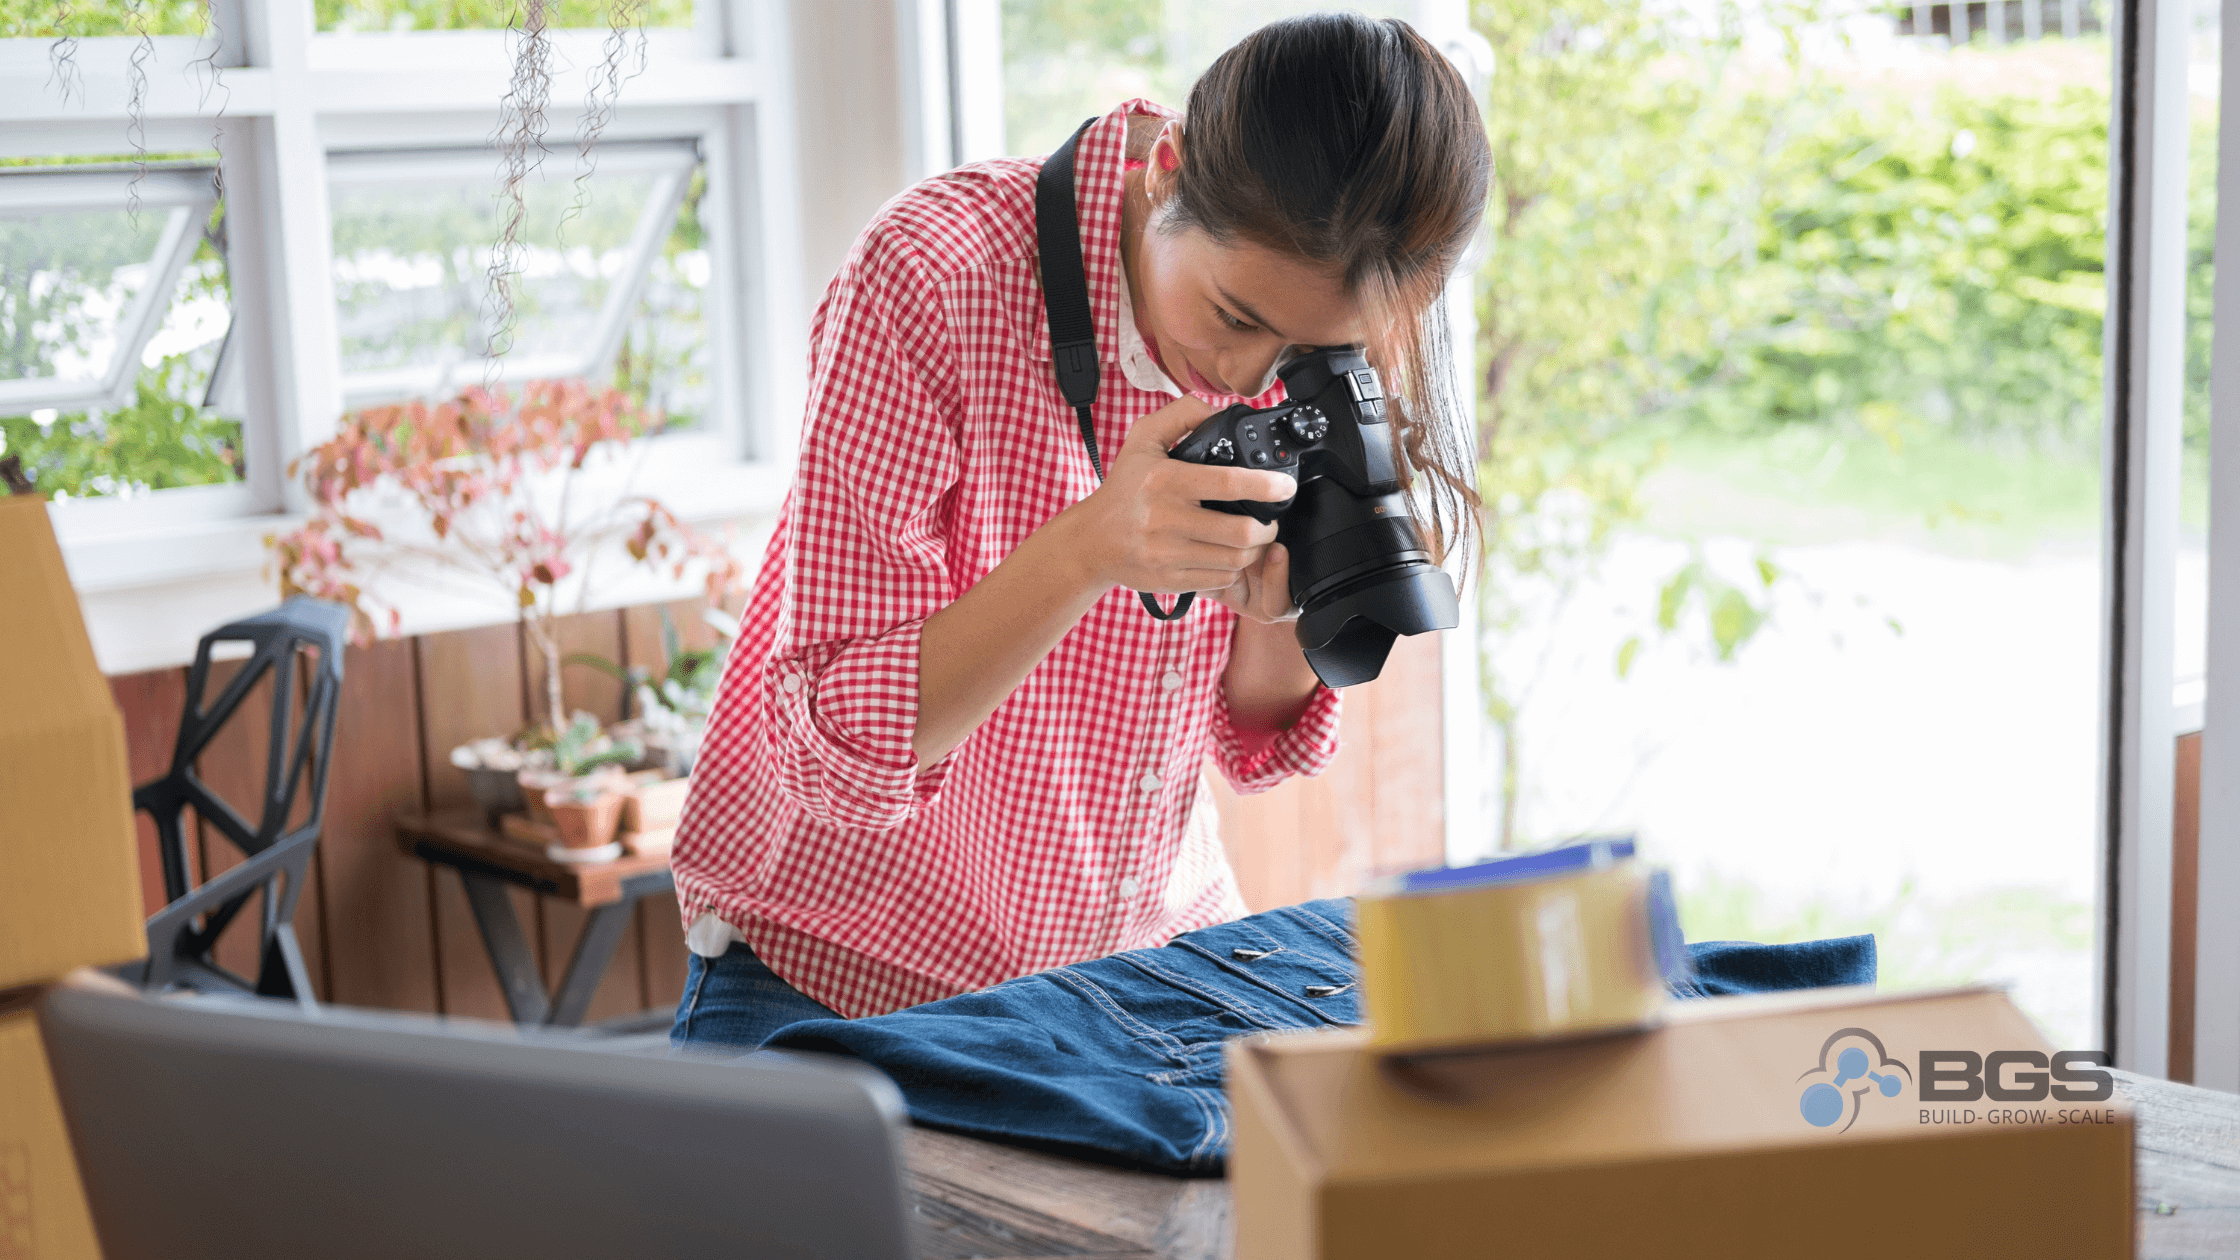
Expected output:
{"points": [[1119, 1059]]}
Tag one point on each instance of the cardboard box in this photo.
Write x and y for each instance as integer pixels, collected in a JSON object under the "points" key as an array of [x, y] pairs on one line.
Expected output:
{"points": [[71, 892], [43, 1213], [1702, 1137]]}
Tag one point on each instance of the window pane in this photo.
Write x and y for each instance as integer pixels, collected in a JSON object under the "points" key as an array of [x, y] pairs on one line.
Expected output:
{"points": [[414, 236], [2191, 658], [461, 15], [67, 278], [110, 324], [1793, 333]]}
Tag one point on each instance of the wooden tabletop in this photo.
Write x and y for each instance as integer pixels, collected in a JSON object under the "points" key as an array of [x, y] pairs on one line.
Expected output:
{"points": [[979, 1199], [463, 837]]}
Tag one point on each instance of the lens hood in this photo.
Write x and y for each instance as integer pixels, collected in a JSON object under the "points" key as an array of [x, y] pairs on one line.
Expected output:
{"points": [[1346, 639]]}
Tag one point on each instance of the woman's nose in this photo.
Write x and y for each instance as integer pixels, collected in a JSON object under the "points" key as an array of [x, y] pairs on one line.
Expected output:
{"points": [[1254, 372]]}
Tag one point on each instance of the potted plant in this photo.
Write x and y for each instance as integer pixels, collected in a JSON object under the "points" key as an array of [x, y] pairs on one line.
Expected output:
{"points": [[491, 490], [672, 710]]}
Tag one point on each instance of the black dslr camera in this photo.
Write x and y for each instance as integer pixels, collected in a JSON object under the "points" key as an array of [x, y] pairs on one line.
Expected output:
{"points": [[1360, 573]]}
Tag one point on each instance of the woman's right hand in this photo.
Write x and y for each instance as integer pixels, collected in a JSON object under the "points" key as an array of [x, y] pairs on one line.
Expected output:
{"points": [[1144, 527]]}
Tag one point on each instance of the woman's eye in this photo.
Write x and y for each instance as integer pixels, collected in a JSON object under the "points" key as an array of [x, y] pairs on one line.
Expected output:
{"points": [[1232, 322]]}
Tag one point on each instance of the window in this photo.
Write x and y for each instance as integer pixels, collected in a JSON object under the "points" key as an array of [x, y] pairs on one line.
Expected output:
{"points": [[414, 240], [113, 306], [164, 370]]}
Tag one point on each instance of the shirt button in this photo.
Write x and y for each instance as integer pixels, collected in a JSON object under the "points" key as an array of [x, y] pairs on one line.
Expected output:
{"points": [[1129, 886], [1149, 782], [1170, 681], [792, 684]]}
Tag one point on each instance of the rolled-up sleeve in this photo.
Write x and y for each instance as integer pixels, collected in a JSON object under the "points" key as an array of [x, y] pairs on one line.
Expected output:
{"points": [[866, 548], [1255, 762]]}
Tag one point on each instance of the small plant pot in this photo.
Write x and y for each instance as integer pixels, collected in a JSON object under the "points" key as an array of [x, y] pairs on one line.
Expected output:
{"points": [[533, 785], [586, 827], [498, 792]]}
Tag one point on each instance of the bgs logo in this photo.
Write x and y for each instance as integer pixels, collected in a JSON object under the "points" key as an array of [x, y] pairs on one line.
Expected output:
{"points": [[1824, 1103]]}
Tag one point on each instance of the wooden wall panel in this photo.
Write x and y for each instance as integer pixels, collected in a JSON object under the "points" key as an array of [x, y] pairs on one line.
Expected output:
{"points": [[1406, 745], [380, 949], [1377, 809], [582, 688], [470, 686], [151, 704], [2185, 902]]}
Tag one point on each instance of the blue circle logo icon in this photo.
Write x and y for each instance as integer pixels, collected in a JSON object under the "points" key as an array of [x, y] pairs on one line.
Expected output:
{"points": [[1823, 1105], [1825, 1101]]}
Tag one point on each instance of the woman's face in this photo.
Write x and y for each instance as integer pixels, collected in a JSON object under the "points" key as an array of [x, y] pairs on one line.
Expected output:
{"points": [[1219, 316]]}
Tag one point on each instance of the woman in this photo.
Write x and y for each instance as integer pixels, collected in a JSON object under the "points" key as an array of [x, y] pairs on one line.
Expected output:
{"points": [[950, 746]]}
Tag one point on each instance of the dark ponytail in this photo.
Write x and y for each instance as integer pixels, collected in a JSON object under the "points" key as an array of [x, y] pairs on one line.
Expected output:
{"points": [[1353, 144]]}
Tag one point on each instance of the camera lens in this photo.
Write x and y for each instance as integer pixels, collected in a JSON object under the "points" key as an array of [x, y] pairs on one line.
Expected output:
{"points": [[1362, 577]]}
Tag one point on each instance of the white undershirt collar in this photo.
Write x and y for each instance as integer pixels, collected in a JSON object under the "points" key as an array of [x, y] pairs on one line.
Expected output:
{"points": [[1136, 362]]}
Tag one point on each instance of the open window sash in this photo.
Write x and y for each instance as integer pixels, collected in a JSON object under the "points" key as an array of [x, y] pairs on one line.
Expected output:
{"points": [[127, 269]]}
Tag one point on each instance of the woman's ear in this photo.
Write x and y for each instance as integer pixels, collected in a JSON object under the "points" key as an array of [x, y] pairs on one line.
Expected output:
{"points": [[1162, 172]]}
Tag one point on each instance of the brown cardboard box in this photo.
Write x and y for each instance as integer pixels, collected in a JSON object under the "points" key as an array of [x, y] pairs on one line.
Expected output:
{"points": [[42, 1205], [1686, 1140], [69, 863]]}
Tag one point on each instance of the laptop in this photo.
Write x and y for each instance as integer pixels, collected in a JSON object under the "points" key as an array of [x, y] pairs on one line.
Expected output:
{"points": [[245, 1130]]}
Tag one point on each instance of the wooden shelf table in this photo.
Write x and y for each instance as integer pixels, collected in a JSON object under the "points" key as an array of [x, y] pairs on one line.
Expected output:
{"points": [[487, 862]]}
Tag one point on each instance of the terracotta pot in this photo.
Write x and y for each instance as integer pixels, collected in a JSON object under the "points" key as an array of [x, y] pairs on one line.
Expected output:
{"points": [[585, 824], [534, 785]]}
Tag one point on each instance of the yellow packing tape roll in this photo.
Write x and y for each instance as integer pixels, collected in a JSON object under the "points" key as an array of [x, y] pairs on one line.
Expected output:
{"points": [[1553, 957]]}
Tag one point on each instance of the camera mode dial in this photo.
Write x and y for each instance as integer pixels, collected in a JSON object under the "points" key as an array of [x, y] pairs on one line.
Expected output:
{"points": [[1308, 424]]}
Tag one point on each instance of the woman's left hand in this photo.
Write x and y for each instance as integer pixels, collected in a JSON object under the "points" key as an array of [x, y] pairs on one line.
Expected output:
{"points": [[1262, 590]]}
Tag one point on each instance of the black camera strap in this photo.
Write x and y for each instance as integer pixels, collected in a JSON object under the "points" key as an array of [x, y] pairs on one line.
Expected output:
{"points": [[1065, 303]]}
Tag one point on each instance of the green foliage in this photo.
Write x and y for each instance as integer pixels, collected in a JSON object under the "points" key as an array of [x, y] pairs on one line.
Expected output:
{"points": [[157, 441], [1935, 267], [88, 19], [460, 15]]}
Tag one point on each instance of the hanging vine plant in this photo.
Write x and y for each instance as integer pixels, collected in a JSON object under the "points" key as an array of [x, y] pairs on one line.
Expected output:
{"points": [[520, 144], [522, 124], [62, 57], [623, 58]]}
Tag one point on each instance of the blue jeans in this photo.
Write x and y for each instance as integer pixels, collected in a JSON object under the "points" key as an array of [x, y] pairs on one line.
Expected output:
{"points": [[1119, 1058], [736, 1001]]}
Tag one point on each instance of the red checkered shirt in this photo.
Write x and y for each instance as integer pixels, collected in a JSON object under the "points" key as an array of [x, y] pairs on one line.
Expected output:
{"points": [[1075, 821]]}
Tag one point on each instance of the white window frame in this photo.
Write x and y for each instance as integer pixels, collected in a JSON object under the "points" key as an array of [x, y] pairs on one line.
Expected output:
{"points": [[2216, 997], [154, 571]]}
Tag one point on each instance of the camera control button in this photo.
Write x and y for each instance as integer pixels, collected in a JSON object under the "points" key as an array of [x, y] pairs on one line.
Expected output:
{"points": [[1365, 384], [1259, 459], [1249, 433], [1282, 456]]}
